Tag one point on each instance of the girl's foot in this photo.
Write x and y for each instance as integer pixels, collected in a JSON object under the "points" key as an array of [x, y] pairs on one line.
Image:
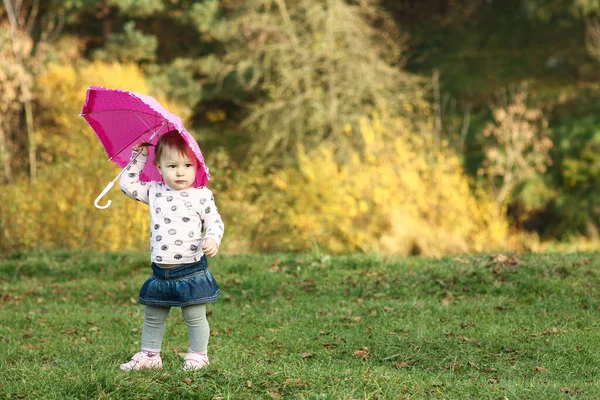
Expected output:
{"points": [[142, 360], [195, 361]]}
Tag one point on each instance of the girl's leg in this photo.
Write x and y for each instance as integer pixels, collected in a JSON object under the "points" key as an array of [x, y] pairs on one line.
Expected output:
{"points": [[155, 319], [152, 336], [198, 329]]}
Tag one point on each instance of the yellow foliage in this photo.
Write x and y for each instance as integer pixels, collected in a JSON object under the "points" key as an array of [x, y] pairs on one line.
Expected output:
{"points": [[402, 195], [58, 210]]}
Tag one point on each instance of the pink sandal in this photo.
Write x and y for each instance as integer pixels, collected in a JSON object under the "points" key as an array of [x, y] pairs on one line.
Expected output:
{"points": [[195, 361], [141, 360]]}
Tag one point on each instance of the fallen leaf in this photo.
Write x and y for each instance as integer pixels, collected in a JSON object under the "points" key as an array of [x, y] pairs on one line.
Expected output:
{"points": [[292, 381], [469, 340], [187, 381], [461, 260], [362, 353], [249, 384], [567, 389], [493, 381], [549, 331], [274, 393], [401, 364], [307, 355], [540, 369], [504, 259]]}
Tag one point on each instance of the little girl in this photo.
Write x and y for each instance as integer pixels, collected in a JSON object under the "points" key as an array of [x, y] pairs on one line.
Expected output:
{"points": [[179, 213]]}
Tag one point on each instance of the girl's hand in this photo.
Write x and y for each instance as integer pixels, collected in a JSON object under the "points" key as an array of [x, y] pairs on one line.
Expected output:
{"points": [[143, 147], [210, 247]]}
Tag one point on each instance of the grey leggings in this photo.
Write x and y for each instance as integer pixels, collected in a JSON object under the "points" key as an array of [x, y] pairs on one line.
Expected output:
{"points": [[155, 321]]}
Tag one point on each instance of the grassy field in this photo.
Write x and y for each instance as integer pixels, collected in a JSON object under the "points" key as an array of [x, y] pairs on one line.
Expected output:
{"points": [[311, 327]]}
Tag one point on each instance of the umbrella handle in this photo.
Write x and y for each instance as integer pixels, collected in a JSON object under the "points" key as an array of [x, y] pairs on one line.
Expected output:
{"points": [[101, 195], [112, 183]]}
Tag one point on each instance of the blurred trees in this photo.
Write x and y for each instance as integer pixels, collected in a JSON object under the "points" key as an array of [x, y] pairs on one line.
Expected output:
{"points": [[547, 10], [313, 76], [24, 38], [57, 210], [303, 91], [518, 146]]}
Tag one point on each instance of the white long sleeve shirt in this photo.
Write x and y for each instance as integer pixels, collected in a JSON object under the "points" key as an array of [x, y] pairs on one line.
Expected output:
{"points": [[178, 218]]}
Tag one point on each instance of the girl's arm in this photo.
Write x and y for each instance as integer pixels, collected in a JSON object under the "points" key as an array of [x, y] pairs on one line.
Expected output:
{"points": [[130, 183], [211, 221]]}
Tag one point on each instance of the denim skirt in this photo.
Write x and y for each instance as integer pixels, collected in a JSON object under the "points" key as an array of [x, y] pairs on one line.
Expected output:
{"points": [[180, 286]]}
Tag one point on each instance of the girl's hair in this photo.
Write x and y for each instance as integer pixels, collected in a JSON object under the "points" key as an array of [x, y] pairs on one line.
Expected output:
{"points": [[171, 140]]}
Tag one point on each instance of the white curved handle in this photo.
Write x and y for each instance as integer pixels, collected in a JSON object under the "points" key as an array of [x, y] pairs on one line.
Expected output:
{"points": [[111, 184], [101, 195]]}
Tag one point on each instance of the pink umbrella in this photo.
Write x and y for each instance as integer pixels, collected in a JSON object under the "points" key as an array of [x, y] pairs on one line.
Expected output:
{"points": [[122, 119]]}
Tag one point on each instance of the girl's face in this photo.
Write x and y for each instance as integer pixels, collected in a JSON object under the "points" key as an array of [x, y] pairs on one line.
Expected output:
{"points": [[178, 170]]}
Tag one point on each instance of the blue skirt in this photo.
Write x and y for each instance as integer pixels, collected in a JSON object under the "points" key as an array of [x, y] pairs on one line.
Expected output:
{"points": [[180, 286]]}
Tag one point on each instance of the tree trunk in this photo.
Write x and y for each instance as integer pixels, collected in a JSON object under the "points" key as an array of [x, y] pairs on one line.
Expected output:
{"points": [[5, 157], [31, 140], [25, 89]]}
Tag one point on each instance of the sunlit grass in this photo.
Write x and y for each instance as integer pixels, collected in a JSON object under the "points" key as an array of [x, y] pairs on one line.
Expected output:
{"points": [[310, 327]]}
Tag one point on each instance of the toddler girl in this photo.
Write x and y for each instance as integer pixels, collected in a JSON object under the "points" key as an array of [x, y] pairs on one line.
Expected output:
{"points": [[179, 213]]}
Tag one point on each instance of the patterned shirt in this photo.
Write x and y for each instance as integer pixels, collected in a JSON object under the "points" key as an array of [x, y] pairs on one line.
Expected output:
{"points": [[178, 218]]}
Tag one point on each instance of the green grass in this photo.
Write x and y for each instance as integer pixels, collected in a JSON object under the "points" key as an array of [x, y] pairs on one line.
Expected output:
{"points": [[308, 327]]}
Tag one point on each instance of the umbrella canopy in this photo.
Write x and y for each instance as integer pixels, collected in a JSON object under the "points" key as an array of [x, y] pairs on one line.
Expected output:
{"points": [[122, 119]]}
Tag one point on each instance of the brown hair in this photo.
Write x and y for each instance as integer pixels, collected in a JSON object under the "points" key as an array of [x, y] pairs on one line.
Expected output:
{"points": [[170, 140]]}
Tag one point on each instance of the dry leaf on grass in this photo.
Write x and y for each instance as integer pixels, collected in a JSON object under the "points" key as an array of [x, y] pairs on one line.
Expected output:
{"points": [[405, 364], [362, 353], [504, 259], [292, 381], [569, 390], [549, 331], [274, 393]]}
